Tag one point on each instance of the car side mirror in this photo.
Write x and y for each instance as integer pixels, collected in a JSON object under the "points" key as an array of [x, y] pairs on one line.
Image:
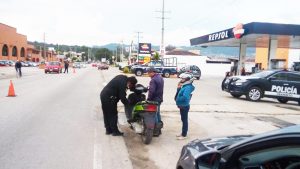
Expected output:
{"points": [[210, 160]]}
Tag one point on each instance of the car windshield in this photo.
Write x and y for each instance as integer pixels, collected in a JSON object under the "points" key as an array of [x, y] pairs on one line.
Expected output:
{"points": [[53, 63], [262, 73]]}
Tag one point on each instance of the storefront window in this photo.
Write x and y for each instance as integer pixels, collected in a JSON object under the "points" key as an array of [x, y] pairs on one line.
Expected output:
{"points": [[22, 52], [14, 51], [4, 50]]}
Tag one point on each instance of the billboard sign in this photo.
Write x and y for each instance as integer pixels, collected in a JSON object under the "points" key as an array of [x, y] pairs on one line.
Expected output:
{"points": [[145, 48]]}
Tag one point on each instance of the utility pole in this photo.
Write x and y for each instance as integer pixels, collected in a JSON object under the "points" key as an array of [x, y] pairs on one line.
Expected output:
{"points": [[117, 54], [138, 43], [162, 44], [45, 46], [121, 57], [130, 53]]}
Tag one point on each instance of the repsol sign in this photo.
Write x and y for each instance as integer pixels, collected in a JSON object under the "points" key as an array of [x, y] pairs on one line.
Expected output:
{"points": [[218, 36]]}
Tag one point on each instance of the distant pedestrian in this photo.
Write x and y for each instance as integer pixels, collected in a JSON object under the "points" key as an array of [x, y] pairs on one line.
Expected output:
{"points": [[18, 66], [66, 66], [114, 91], [183, 97], [243, 71], [155, 93], [227, 74]]}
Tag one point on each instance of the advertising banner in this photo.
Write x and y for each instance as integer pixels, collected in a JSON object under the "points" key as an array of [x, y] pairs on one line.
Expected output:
{"points": [[145, 48]]}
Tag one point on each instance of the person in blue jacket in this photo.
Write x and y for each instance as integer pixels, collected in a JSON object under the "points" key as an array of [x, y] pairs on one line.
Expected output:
{"points": [[183, 97]]}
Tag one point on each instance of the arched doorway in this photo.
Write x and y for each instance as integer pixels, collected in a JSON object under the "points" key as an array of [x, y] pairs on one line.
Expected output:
{"points": [[15, 51], [22, 52], [5, 50]]}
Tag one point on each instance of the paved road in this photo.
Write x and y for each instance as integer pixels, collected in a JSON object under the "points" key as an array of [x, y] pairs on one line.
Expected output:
{"points": [[56, 122]]}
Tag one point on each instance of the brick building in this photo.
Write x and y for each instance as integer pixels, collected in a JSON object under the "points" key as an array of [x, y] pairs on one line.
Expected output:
{"points": [[14, 46]]}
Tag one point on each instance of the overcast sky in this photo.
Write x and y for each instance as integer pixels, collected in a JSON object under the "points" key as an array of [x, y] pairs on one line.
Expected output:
{"points": [[98, 22]]}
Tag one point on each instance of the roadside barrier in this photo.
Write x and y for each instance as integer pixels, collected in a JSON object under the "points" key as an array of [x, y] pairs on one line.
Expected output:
{"points": [[11, 90]]}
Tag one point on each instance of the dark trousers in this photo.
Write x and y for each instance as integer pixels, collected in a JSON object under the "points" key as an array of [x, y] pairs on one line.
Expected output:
{"points": [[110, 115], [66, 69], [158, 117], [184, 118], [19, 71]]}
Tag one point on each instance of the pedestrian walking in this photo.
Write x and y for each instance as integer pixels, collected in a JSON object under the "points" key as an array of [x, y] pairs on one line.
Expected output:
{"points": [[155, 93], [66, 66], [18, 66], [182, 98], [243, 71], [114, 91], [227, 74]]}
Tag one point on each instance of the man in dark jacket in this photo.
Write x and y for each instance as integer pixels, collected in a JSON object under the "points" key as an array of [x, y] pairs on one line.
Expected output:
{"points": [[18, 66], [114, 91], [155, 92], [66, 66]]}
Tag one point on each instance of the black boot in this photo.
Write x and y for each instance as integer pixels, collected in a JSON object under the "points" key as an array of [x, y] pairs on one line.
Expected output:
{"points": [[117, 133], [108, 132]]}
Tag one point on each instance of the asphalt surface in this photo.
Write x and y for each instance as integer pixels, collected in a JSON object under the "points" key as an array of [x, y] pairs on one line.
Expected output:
{"points": [[56, 122]]}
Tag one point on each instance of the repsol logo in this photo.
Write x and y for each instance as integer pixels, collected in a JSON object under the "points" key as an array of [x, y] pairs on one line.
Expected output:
{"points": [[218, 36], [282, 89]]}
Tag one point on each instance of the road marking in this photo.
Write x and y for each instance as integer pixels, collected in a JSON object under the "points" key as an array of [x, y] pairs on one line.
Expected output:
{"points": [[97, 151]]}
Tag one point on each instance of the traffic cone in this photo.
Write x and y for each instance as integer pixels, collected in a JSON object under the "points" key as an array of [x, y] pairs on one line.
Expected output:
{"points": [[11, 90]]}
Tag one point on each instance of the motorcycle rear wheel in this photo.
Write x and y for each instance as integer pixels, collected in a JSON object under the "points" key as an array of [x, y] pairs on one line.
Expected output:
{"points": [[147, 136]]}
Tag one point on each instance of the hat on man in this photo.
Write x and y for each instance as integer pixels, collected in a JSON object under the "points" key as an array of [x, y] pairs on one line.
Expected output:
{"points": [[152, 69]]}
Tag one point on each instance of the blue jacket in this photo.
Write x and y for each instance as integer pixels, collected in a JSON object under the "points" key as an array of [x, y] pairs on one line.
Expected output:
{"points": [[184, 95], [156, 88]]}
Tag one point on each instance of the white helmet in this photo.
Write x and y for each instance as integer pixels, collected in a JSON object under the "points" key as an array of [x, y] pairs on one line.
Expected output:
{"points": [[186, 76]]}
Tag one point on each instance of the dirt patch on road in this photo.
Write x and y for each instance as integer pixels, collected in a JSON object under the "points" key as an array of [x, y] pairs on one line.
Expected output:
{"points": [[163, 152], [137, 150]]}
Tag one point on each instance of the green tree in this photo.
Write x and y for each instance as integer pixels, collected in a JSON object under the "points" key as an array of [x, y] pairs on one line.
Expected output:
{"points": [[156, 56], [103, 53]]}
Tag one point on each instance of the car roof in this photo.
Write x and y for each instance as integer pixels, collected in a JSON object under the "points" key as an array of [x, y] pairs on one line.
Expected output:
{"points": [[281, 70], [295, 129]]}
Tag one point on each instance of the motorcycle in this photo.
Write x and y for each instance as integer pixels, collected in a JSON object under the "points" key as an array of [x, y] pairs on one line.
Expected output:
{"points": [[143, 115]]}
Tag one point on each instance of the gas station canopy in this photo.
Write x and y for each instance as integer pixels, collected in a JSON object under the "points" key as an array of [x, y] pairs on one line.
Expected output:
{"points": [[254, 34]]}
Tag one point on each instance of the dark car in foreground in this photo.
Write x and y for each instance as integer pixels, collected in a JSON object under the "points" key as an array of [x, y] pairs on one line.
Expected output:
{"points": [[193, 69], [278, 149], [282, 85]]}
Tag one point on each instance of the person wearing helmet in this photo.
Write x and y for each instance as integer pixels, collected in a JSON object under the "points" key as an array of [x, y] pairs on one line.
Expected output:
{"points": [[182, 98]]}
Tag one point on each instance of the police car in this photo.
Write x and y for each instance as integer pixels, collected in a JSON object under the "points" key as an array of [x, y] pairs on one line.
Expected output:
{"points": [[279, 84]]}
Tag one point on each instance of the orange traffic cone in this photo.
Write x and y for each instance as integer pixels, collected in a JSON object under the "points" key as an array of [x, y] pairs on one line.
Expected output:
{"points": [[11, 90], [74, 70]]}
